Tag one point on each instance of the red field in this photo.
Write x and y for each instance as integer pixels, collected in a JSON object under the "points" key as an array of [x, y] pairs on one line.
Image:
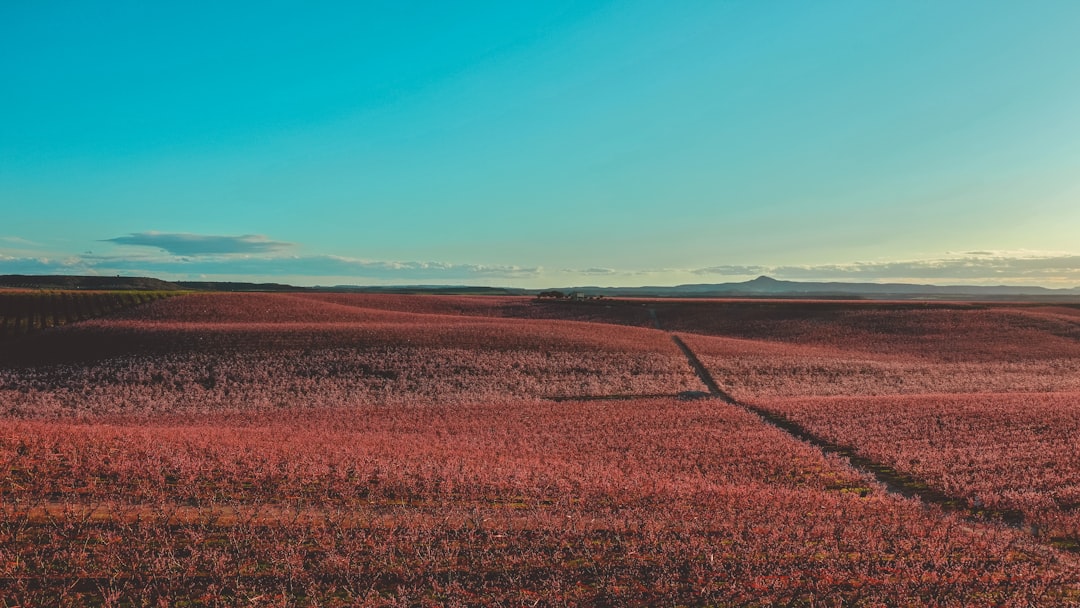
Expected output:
{"points": [[756, 368], [26, 310], [341, 449], [1013, 453], [939, 332]]}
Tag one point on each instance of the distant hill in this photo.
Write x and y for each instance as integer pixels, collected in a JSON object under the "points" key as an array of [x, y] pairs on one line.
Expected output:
{"points": [[768, 287], [238, 286], [147, 283], [40, 281], [761, 287]]}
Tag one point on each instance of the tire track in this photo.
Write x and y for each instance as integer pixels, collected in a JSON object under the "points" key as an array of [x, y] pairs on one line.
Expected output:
{"points": [[702, 372], [895, 482]]}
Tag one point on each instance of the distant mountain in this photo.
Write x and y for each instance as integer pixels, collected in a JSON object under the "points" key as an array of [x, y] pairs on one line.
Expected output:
{"points": [[768, 287]]}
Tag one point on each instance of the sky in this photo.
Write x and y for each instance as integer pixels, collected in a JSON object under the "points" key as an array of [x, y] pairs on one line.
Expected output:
{"points": [[542, 144]]}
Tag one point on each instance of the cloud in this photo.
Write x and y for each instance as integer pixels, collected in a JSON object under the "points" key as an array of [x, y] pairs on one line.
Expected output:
{"points": [[41, 265], [16, 246], [1016, 267], [180, 243], [1051, 269], [251, 256], [17, 240], [982, 266], [592, 271], [181, 267], [731, 270]]}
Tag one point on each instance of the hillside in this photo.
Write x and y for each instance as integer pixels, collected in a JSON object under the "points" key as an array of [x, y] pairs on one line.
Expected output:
{"points": [[21, 281]]}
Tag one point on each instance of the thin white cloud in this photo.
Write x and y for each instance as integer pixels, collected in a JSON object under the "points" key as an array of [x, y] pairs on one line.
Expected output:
{"points": [[18, 247], [182, 243], [981, 267], [42, 265], [596, 271], [975, 266], [731, 270], [18, 240], [268, 267]]}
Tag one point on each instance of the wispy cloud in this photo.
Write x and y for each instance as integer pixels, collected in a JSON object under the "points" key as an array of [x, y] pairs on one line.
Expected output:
{"points": [[41, 265], [595, 271], [186, 255], [731, 270], [258, 258], [972, 266], [291, 266], [17, 240], [181, 243], [16, 246]]}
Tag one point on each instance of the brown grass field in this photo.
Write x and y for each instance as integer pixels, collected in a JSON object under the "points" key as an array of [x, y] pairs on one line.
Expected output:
{"points": [[376, 450]]}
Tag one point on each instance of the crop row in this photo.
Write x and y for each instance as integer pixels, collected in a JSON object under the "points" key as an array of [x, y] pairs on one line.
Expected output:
{"points": [[750, 369], [333, 308], [611, 503], [1008, 453], [933, 332], [271, 449], [219, 379], [26, 311]]}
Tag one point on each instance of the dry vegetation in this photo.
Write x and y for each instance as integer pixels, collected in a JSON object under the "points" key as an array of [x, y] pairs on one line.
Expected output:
{"points": [[1013, 453], [341, 449]]}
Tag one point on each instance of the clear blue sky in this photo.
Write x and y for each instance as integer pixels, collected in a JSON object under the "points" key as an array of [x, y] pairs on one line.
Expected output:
{"points": [[544, 143]]}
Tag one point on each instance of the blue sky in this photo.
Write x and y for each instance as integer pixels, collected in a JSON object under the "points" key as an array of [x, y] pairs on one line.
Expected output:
{"points": [[542, 144]]}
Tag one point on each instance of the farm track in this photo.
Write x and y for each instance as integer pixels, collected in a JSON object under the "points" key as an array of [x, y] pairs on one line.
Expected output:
{"points": [[894, 481], [702, 372]]}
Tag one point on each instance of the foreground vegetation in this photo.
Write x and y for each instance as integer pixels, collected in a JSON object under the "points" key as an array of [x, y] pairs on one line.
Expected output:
{"points": [[338, 449]]}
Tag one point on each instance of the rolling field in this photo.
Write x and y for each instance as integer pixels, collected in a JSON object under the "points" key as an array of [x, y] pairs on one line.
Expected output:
{"points": [[1014, 453], [351, 449], [23, 310]]}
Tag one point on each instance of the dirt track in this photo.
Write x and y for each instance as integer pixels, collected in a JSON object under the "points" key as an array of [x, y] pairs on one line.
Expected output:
{"points": [[894, 481]]}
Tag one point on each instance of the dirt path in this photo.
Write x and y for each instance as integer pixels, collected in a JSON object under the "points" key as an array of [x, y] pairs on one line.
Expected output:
{"points": [[895, 482], [702, 372]]}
